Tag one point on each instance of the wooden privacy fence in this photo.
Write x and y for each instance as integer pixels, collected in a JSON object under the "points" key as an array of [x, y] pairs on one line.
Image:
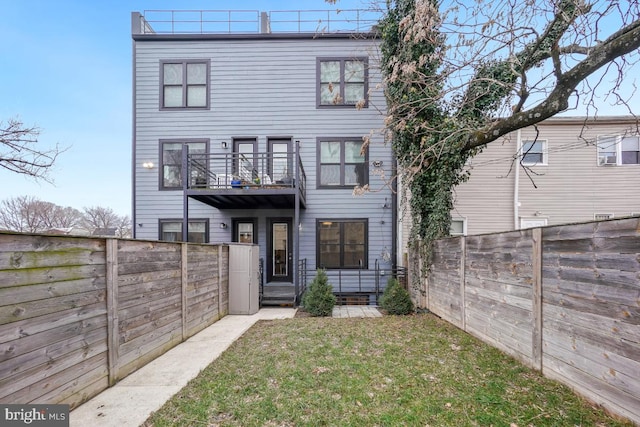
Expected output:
{"points": [[562, 299], [78, 314]]}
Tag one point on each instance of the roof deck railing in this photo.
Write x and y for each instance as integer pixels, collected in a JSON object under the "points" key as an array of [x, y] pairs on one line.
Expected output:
{"points": [[256, 22]]}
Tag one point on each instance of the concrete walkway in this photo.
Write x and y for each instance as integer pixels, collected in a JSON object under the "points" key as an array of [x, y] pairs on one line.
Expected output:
{"points": [[132, 400], [355, 311]]}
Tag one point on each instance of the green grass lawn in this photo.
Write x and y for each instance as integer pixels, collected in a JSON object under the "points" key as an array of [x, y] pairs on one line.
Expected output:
{"points": [[390, 371]]}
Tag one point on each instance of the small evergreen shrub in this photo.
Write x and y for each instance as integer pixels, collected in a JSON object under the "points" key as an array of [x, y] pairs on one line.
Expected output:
{"points": [[396, 299], [318, 299]]}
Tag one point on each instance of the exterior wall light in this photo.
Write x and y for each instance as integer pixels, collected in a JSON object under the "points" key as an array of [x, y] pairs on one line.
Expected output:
{"points": [[224, 144], [223, 225], [148, 165]]}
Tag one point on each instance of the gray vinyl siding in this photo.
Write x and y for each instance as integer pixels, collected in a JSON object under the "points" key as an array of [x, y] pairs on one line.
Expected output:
{"points": [[570, 188], [262, 87]]}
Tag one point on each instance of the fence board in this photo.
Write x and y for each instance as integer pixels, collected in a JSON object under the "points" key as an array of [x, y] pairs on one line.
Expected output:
{"points": [[566, 298], [48, 354], [76, 314]]}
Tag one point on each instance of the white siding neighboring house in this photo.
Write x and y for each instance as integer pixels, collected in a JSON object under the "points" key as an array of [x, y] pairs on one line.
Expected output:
{"points": [[270, 125], [575, 170]]}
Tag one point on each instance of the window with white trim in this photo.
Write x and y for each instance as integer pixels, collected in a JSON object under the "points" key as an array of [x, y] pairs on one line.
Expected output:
{"points": [[534, 152], [458, 227], [618, 150]]}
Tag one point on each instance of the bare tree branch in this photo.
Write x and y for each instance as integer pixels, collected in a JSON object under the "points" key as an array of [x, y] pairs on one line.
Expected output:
{"points": [[620, 43], [19, 152]]}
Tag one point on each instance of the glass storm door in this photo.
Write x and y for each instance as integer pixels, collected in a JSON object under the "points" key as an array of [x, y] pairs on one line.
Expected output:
{"points": [[280, 256]]}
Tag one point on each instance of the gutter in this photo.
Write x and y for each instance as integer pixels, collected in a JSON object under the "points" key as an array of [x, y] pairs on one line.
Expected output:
{"points": [[516, 184]]}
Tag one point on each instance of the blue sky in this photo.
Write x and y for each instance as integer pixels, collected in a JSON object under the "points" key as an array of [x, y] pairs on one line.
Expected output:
{"points": [[65, 67]]}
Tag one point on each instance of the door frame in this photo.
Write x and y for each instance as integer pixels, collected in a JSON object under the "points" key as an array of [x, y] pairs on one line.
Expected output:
{"points": [[269, 255]]}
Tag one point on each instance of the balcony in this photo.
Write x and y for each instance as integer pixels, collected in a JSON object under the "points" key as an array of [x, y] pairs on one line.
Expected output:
{"points": [[246, 181]]}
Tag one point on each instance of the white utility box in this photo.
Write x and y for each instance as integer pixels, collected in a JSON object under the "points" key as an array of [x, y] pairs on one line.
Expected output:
{"points": [[244, 274]]}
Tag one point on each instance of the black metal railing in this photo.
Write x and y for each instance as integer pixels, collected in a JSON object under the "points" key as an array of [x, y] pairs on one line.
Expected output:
{"points": [[358, 286], [253, 21], [302, 280], [261, 279], [238, 170]]}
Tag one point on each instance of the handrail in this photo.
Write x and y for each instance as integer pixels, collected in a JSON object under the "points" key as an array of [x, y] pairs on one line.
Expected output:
{"points": [[156, 21], [238, 170], [359, 283]]}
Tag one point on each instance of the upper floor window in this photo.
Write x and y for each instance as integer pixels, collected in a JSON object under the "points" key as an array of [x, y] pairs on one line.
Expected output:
{"points": [[342, 163], [618, 150], [342, 82], [171, 171], [185, 84], [534, 153], [171, 230], [342, 243]]}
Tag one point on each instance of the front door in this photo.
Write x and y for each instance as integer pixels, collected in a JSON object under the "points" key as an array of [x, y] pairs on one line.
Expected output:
{"points": [[280, 250]]}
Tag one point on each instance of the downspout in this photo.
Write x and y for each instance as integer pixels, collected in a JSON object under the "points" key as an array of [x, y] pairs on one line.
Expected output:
{"points": [[135, 29], [395, 235], [185, 198], [516, 185], [296, 221]]}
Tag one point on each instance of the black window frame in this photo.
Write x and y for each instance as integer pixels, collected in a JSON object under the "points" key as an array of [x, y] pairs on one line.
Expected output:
{"points": [[185, 85], [342, 243], [162, 221], [235, 222], [342, 83], [238, 157], [288, 174], [342, 185], [183, 142]]}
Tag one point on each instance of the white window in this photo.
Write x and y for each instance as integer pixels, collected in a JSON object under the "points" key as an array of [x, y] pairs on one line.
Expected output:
{"points": [[534, 152], [618, 150], [532, 222], [458, 227], [602, 216]]}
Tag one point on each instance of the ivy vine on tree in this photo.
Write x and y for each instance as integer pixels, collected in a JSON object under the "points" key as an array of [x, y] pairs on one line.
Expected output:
{"points": [[458, 79]]}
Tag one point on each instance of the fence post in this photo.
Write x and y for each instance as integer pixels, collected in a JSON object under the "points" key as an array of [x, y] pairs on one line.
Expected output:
{"points": [[113, 343], [463, 260], [220, 276], [536, 334], [184, 279]]}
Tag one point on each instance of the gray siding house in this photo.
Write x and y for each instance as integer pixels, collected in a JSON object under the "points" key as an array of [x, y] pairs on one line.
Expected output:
{"points": [[565, 170], [256, 136]]}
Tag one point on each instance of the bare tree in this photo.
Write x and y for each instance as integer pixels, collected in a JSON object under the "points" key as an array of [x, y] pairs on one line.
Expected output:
{"points": [[58, 217], [20, 214], [31, 215], [101, 218], [19, 152], [458, 79]]}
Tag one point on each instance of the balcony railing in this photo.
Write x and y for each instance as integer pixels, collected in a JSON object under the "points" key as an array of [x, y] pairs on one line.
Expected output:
{"points": [[244, 171], [253, 21]]}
